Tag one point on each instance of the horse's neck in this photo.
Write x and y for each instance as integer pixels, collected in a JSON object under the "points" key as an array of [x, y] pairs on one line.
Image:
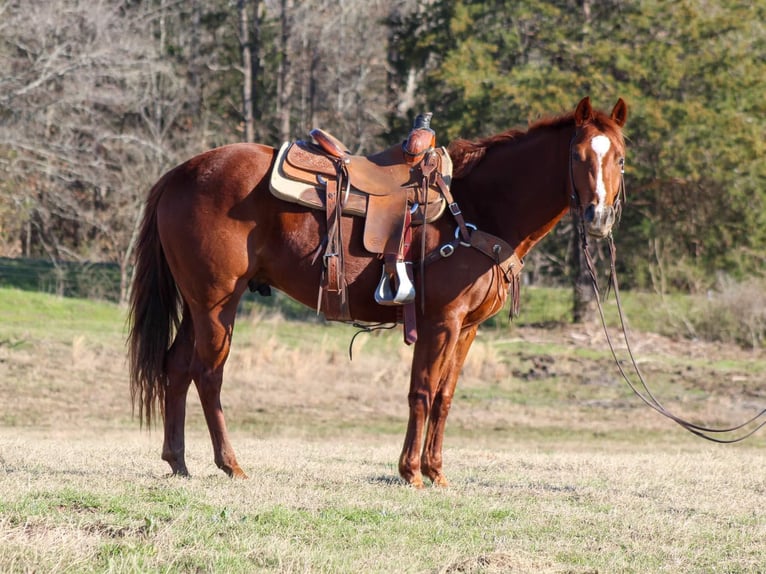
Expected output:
{"points": [[520, 190]]}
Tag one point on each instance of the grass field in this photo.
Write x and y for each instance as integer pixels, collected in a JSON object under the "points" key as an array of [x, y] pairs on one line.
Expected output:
{"points": [[554, 466]]}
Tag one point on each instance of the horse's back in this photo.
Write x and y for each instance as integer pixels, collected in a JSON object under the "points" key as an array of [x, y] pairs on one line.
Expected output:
{"points": [[224, 173]]}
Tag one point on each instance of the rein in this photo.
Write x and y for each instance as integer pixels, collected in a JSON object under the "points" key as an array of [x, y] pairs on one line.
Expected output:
{"points": [[640, 389]]}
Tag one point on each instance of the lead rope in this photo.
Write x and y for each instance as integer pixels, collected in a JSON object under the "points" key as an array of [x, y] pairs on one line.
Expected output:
{"points": [[643, 392]]}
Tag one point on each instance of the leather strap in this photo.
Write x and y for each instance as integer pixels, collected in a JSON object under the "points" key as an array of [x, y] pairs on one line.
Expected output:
{"points": [[454, 208], [333, 299], [493, 247], [409, 315], [499, 251]]}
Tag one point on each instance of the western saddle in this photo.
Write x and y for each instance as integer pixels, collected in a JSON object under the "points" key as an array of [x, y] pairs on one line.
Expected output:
{"points": [[404, 185]]}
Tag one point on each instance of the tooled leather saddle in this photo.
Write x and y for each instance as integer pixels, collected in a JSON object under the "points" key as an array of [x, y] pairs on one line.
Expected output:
{"points": [[394, 189]]}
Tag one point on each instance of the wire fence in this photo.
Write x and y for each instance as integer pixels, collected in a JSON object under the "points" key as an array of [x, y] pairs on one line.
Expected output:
{"points": [[68, 279], [102, 281]]}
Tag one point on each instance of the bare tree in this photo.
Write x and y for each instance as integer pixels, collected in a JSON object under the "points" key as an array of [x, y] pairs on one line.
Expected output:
{"points": [[246, 50], [285, 79], [336, 74], [90, 109], [98, 99]]}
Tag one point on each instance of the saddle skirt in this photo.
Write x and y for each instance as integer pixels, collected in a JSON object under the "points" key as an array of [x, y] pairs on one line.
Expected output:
{"points": [[382, 186]]}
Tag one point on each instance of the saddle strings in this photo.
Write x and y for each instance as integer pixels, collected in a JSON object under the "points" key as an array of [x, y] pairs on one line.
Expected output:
{"points": [[366, 328]]}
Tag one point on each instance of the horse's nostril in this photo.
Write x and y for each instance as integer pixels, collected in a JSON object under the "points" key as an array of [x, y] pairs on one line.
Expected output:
{"points": [[589, 213]]}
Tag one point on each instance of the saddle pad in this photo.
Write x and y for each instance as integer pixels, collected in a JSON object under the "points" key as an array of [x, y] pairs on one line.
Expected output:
{"points": [[309, 194]]}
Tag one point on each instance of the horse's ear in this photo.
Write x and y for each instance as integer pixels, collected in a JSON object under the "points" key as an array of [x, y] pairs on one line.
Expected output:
{"points": [[584, 112], [620, 112]]}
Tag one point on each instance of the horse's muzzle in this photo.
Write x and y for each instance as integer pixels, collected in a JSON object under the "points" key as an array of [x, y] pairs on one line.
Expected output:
{"points": [[598, 222]]}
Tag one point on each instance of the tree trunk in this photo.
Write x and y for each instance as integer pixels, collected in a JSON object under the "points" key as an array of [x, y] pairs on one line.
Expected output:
{"points": [[255, 63], [285, 78], [195, 66], [583, 298], [247, 71], [584, 309]]}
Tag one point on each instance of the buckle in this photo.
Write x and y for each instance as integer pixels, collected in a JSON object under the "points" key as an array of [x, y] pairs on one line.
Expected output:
{"points": [[446, 250], [458, 234]]}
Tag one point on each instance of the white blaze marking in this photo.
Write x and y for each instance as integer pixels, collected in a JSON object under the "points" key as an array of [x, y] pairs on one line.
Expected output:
{"points": [[600, 144]]}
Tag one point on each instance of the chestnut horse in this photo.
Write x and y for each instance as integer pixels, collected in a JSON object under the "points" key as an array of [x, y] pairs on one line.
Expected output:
{"points": [[212, 228]]}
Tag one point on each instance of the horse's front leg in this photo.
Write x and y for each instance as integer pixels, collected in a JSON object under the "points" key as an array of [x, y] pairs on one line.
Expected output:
{"points": [[431, 354], [431, 461]]}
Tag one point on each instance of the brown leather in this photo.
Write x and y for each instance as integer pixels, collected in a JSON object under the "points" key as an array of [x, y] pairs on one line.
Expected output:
{"points": [[409, 315], [389, 185], [382, 173], [417, 144], [304, 161], [498, 250], [329, 143], [333, 291], [385, 222], [356, 204]]}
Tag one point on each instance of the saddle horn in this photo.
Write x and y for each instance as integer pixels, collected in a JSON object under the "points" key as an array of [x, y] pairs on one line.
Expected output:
{"points": [[421, 139]]}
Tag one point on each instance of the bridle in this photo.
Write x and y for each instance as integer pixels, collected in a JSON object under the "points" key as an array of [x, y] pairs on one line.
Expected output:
{"points": [[640, 389], [574, 197]]}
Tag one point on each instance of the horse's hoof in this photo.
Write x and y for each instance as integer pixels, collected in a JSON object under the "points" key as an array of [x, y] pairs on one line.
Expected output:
{"points": [[180, 471], [440, 481], [416, 482], [179, 475], [237, 473]]}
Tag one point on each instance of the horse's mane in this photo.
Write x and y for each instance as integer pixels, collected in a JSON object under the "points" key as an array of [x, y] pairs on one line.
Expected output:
{"points": [[466, 154]]}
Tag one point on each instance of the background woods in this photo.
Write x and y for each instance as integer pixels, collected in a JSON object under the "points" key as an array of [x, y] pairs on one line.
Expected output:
{"points": [[98, 99]]}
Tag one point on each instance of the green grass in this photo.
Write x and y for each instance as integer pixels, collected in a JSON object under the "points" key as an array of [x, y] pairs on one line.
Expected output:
{"points": [[339, 508], [29, 314], [554, 466]]}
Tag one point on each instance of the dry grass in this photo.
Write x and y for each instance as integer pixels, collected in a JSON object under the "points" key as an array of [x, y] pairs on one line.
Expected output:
{"points": [[554, 466], [74, 502]]}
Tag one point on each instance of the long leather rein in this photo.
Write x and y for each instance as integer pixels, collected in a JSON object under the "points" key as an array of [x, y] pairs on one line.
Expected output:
{"points": [[641, 389]]}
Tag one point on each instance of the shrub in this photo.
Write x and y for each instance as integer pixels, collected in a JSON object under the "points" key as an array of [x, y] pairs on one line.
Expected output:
{"points": [[732, 313]]}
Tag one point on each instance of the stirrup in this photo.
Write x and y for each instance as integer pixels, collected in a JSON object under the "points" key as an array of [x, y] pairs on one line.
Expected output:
{"points": [[405, 292]]}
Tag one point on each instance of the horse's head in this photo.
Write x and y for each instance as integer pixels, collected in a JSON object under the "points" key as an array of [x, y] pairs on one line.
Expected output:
{"points": [[597, 159]]}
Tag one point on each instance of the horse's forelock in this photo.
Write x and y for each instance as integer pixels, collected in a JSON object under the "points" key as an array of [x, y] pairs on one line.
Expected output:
{"points": [[605, 124]]}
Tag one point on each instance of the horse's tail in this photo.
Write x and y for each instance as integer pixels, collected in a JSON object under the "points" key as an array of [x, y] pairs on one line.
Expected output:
{"points": [[153, 316]]}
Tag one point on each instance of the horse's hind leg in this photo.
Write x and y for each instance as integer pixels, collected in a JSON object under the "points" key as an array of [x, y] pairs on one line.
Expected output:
{"points": [[213, 331], [431, 461], [177, 364]]}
